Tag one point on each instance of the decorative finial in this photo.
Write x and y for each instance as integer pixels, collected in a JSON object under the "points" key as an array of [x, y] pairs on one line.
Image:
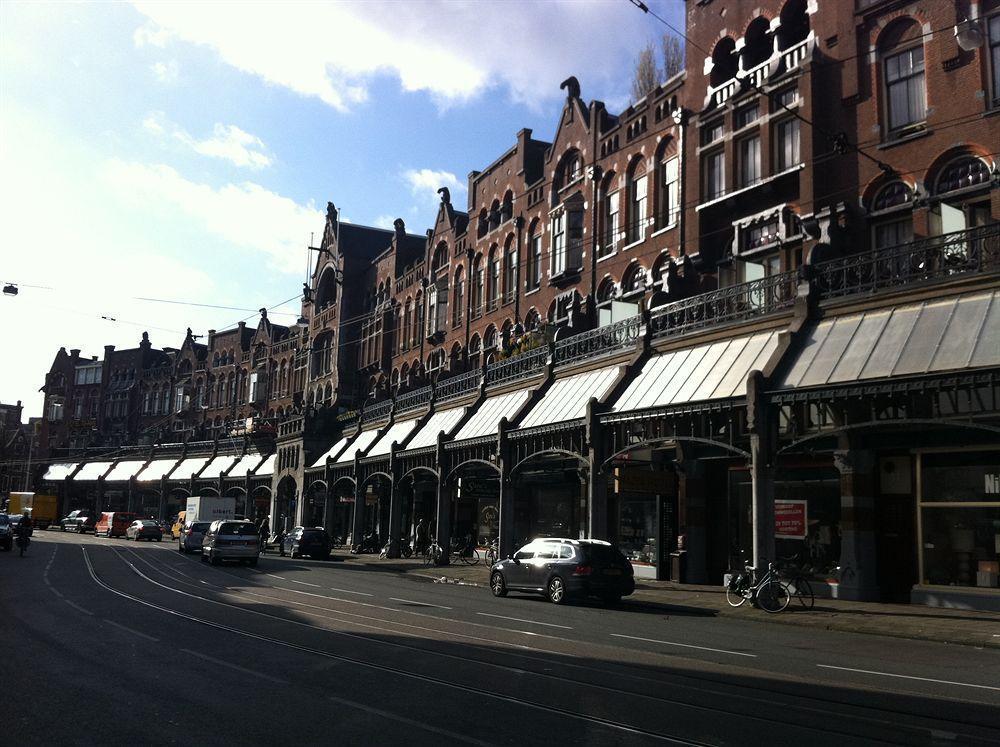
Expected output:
{"points": [[572, 86], [445, 195]]}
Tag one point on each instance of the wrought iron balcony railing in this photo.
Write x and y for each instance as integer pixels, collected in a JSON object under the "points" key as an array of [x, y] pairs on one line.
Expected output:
{"points": [[610, 338], [937, 257], [735, 303], [413, 399], [376, 411], [517, 367], [456, 386]]}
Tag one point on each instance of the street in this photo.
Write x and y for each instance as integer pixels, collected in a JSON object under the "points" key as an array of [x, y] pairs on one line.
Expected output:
{"points": [[107, 641]]}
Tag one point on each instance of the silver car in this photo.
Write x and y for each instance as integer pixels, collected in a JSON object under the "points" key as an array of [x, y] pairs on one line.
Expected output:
{"points": [[229, 539], [192, 535]]}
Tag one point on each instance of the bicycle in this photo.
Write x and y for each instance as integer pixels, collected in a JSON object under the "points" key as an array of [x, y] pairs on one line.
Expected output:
{"points": [[466, 552], [432, 554], [798, 586], [769, 593], [492, 553]]}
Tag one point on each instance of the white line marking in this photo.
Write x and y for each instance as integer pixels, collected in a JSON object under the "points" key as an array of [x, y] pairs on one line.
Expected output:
{"points": [[304, 583], [235, 667], [908, 677], [273, 576], [409, 722], [77, 607], [348, 591], [685, 645], [419, 604], [130, 630], [522, 620]]}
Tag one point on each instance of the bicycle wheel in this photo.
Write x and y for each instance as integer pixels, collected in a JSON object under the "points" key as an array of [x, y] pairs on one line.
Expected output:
{"points": [[735, 597], [471, 558], [773, 596], [491, 557], [801, 590]]}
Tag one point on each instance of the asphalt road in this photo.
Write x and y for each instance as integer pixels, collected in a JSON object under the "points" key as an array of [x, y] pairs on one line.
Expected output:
{"points": [[110, 642]]}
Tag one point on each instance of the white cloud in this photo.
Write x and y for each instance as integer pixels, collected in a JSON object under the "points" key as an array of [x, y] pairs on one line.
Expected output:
{"points": [[453, 51], [166, 72], [149, 35], [424, 184], [384, 221], [246, 215], [228, 142]]}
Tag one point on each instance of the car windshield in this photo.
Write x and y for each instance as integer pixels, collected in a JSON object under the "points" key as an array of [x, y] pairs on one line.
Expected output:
{"points": [[237, 528]]}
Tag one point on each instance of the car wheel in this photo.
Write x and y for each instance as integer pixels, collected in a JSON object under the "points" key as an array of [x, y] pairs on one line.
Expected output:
{"points": [[556, 590], [497, 585]]}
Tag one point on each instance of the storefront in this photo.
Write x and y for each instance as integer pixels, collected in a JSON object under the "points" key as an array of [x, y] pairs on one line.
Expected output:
{"points": [[477, 509], [550, 500], [958, 525], [644, 510]]}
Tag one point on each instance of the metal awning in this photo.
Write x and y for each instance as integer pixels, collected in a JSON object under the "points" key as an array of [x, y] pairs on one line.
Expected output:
{"points": [[267, 467], [156, 470], [567, 398], [361, 442], [92, 471], [715, 370], [443, 421], [59, 471], [333, 452], [190, 466], [244, 464], [949, 334], [125, 470], [217, 466], [486, 419], [397, 432]]}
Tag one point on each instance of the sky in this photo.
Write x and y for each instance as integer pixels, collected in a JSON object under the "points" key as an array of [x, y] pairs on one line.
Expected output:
{"points": [[186, 152]]}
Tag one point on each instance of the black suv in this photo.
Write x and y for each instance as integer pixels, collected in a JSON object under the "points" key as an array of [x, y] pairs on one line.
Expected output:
{"points": [[311, 541], [564, 568]]}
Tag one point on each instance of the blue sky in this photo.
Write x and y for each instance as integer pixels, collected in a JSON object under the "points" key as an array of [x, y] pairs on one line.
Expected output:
{"points": [[186, 151]]}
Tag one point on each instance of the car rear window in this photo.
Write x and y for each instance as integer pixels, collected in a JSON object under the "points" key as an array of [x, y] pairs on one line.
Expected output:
{"points": [[312, 533], [602, 555], [238, 528], [199, 526], [149, 523]]}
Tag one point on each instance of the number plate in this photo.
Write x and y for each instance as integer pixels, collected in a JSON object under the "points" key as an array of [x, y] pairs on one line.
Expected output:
{"points": [[612, 571]]}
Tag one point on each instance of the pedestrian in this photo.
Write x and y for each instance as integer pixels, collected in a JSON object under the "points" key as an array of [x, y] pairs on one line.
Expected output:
{"points": [[421, 544], [263, 530]]}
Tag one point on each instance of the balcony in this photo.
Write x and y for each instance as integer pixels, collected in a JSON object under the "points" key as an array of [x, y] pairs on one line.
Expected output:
{"points": [[610, 338], [414, 399], [945, 257], [459, 385], [320, 320], [517, 367], [376, 411], [736, 303]]}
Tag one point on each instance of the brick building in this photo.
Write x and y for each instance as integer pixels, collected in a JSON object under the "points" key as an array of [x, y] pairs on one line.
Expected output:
{"points": [[754, 314]]}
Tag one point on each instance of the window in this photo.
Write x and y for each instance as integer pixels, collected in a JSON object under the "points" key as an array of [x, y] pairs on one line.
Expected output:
{"points": [[967, 171], [787, 144], [611, 227], [574, 248], [477, 287], [559, 244], [88, 375], [749, 161], [494, 279], [637, 207], [747, 115], [904, 78], [893, 233], [892, 195], [715, 175], [788, 98], [711, 132], [993, 32], [510, 273], [458, 310], [761, 233], [535, 262]]}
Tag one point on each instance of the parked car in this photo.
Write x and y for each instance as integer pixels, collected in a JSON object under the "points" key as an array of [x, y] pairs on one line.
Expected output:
{"points": [[15, 521], [230, 540], [6, 533], [192, 536], [146, 529], [81, 520], [114, 523], [565, 568], [311, 541]]}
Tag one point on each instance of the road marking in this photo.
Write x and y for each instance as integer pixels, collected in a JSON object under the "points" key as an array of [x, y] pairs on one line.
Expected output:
{"points": [[348, 591], [419, 604], [77, 607], [304, 583], [908, 677], [685, 645], [522, 620], [127, 629], [282, 578], [235, 667], [408, 721]]}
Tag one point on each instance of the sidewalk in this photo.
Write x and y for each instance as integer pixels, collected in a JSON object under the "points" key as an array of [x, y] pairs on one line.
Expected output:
{"points": [[963, 627]]}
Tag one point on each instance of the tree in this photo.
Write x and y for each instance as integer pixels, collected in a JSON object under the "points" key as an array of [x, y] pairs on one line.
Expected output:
{"points": [[673, 56], [646, 73]]}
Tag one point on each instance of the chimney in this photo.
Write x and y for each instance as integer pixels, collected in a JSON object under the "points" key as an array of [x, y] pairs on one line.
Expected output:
{"points": [[211, 337], [74, 353], [400, 227], [108, 350], [145, 344]]}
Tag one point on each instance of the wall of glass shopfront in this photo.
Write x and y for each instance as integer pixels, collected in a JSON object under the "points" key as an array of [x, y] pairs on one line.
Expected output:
{"points": [[959, 519], [644, 512]]}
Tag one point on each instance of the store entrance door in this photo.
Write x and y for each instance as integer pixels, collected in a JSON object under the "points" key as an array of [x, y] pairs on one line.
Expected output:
{"points": [[895, 543]]}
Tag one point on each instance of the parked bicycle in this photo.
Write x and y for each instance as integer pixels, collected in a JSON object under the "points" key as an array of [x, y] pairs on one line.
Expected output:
{"points": [[492, 552], [798, 586], [767, 592]]}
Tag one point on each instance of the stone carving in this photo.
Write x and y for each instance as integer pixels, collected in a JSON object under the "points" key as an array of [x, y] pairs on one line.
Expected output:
{"points": [[571, 86], [445, 195]]}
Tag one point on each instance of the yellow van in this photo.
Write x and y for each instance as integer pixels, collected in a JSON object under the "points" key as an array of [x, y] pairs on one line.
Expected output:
{"points": [[178, 525]]}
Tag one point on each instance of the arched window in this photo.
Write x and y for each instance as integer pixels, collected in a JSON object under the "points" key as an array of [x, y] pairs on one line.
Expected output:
{"points": [[490, 338], [407, 322], [483, 225], [897, 227], [534, 260], [962, 184], [507, 207], [510, 271], [418, 319], [892, 195], [668, 203], [757, 46], [493, 279], [794, 24], [477, 286], [636, 201], [531, 320], [326, 289], [961, 173], [610, 216], [724, 62], [475, 351], [458, 305], [634, 281], [901, 54], [495, 215]]}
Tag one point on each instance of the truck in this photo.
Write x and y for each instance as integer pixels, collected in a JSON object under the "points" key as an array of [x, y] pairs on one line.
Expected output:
{"points": [[209, 508], [41, 507]]}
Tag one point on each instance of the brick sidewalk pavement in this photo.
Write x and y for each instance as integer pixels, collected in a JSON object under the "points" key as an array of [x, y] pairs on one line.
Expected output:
{"points": [[964, 627]]}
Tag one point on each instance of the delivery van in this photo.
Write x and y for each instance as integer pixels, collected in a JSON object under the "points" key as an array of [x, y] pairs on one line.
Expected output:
{"points": [[114, 523]]}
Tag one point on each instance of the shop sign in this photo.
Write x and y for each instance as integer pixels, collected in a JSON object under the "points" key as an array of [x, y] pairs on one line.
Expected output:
{"points": [[346, 499], [790, 520], [481, 489]]}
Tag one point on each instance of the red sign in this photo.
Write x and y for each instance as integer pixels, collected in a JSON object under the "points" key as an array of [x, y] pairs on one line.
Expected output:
{"points": [[790, 521]]}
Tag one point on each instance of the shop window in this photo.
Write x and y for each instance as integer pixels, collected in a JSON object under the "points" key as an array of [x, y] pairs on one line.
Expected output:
{"points": [[959, 495], [808, 520]]}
